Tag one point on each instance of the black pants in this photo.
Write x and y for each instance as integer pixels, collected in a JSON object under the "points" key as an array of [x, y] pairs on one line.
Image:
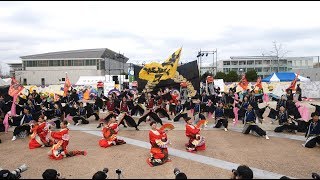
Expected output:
{"points": [[291, 127], [256, 129], [137, 109], [130, 122], [77, 118], [93, 114], [313, 142], [153, 115], [57, 122], [221, 122], [20, 129], [302, 126], [181, 115], [15, 120], [163, 112], [172, 109]]}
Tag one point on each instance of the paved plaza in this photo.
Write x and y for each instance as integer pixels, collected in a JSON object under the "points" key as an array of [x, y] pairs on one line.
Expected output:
{"points": [[282, 155]]}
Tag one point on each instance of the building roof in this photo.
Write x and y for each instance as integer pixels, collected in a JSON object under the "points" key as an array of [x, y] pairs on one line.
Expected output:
{"points": [[14, 64], [252, 57], [83, 53]]}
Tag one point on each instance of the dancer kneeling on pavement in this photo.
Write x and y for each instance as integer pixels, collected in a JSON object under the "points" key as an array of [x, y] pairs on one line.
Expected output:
{"points": [[110, 131], [39, 134], [196, 141], [23, 129], [285, 121], [313, 132], [61, 141], [81, 115], [220, 118], [180, 110], [250, 123], [159, 144]]}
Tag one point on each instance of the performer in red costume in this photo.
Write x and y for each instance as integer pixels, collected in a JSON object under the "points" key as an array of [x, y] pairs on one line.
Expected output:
{"points": [[61, 139], [159, 144], [39, 134], [196, 141], [110, 132]]}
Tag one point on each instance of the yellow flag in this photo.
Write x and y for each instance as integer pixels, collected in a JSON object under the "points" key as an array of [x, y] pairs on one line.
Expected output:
{"points": [[156, 72]]}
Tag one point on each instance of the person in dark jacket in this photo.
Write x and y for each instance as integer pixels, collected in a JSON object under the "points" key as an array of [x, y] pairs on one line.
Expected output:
{"points": [[313, 132]]}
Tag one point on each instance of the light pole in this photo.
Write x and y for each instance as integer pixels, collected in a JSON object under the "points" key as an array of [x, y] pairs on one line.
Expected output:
{"points": [[214, 58]]}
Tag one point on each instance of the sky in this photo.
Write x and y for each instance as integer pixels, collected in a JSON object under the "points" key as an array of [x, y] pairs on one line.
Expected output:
{"points": [[151, 31]]}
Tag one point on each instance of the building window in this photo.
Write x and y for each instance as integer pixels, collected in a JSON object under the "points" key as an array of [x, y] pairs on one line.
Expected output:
{"points": [[102, 65], [98, 65], [42, 63], [24, 81], [258, 69], [250, 62], [234, 62], [258, 62], [63, 79], [78, 63], [34, 63], [242, 62], [88, 62], [226, 62]]}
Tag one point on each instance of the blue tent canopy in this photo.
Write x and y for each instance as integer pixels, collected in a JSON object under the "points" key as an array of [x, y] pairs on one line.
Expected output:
{"points": [[283, 77]]}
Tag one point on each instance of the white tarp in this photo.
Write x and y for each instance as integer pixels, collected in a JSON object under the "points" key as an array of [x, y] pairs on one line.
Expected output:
{"points": [[219, 83], [89, 80], [5, 82]]}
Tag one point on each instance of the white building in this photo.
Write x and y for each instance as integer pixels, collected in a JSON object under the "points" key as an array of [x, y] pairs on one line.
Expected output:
{"points": [[50, 68], [264, 65]]}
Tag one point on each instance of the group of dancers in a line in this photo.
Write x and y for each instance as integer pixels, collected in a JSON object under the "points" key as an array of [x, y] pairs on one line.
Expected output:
{"points": [[37, 115]]}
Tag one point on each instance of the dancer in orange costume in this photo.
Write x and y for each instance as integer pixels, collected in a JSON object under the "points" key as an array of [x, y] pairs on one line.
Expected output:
{"points": [[196, 141], [159, 144], [110, 132], [39, 134], [61, 139]]}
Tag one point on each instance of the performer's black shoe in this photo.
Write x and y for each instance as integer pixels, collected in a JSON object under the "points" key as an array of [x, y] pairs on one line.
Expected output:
{"points": [[137, 128], [99, 126]]}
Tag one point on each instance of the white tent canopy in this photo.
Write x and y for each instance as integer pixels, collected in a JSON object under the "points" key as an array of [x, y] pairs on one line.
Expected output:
{"points": [[89, 80]]}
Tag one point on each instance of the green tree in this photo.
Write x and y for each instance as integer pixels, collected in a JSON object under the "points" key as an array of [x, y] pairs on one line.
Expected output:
{"points": [[220, 75], [232, 76], [251, 75]]}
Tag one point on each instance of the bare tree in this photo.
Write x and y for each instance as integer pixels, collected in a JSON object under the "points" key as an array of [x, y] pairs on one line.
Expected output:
{"points": [[278, 52]]}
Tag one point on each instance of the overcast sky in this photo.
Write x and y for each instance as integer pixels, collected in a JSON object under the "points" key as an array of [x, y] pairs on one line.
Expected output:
{"points": [[147, 31]]}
